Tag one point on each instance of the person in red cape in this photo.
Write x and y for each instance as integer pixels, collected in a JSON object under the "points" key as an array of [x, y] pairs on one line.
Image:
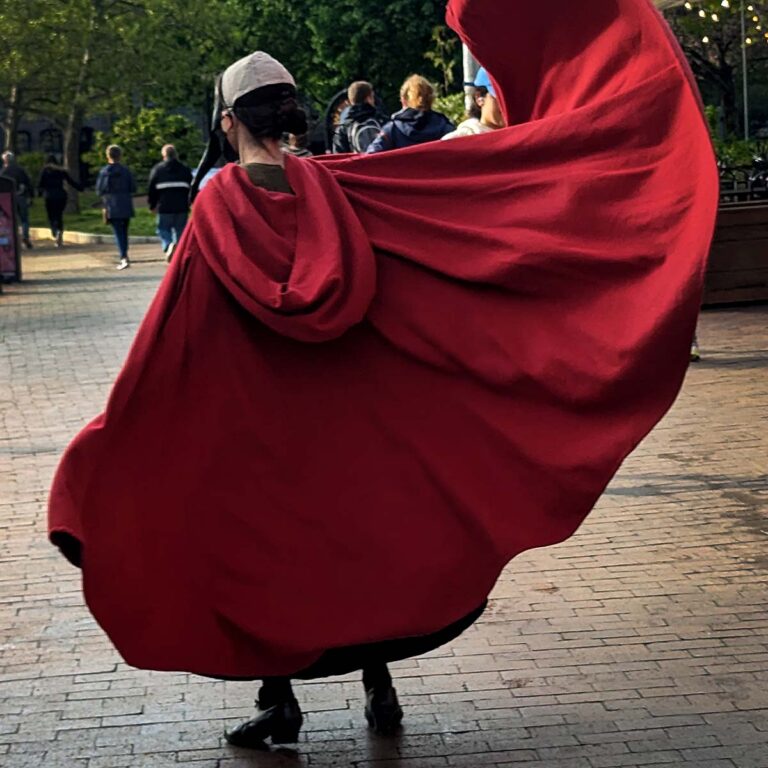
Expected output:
{"points": [[367, 383]]}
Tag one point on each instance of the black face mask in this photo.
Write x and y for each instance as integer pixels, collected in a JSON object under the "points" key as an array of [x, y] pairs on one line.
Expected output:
{"points": [[218, 146]]}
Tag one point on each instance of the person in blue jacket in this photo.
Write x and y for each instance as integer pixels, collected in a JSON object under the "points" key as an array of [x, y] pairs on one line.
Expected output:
{"points": [[416, 122], [116, 186]]}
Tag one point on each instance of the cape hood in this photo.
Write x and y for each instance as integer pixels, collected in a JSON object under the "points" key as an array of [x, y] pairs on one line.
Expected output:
{"points": [[347, 409]]}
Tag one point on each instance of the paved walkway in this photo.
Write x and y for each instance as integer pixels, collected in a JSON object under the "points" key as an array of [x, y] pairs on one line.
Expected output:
{"points": [[642, 641]]}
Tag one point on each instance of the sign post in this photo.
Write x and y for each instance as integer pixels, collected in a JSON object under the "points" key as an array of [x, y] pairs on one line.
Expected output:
{"points": [[10, 253]]}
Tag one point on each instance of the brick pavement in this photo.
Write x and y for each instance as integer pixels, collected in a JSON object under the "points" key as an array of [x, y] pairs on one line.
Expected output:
{"points": [[642, 641]]}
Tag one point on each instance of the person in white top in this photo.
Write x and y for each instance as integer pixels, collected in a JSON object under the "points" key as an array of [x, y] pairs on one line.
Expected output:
{"points": [[485, 114]]}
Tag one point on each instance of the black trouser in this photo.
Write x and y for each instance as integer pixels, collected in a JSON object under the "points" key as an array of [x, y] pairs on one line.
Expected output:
{"points": [[54, 207], [278, 690], [120, 228], [372, 658]]}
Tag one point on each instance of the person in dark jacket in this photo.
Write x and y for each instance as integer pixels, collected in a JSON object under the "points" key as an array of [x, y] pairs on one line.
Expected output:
{"points": [[360, 123], [416, 123], [297, 145], [24, 191], [168, 197], [51, 188], [116, 186]]}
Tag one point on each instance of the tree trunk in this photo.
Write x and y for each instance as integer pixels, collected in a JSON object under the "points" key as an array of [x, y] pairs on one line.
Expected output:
{"points": [[11, 119], [728, 99], [77, 111], [72, 153]]}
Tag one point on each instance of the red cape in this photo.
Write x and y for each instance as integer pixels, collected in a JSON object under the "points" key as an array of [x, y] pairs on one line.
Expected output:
{"points": [[347, 410]]}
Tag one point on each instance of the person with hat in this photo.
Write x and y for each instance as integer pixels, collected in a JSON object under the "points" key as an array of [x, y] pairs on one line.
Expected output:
{"points": [[350, 404], [485, 114]]}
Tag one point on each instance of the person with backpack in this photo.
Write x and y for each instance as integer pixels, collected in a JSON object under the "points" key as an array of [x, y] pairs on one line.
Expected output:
{"points": [[416, 123], [360, 123]]}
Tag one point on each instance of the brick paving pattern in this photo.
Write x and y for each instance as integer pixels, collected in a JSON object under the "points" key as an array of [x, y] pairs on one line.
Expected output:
{"points": [[642, 641]]}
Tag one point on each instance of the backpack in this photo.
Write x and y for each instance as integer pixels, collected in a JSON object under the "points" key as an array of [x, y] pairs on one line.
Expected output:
{"points": [[362, 134]]}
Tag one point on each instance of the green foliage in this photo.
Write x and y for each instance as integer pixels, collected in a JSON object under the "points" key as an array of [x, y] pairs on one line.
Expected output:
{"points": [[736, 152], [445, 55], [68, 60], [452, 107], [326, 45], [141, 137], [32, 163], [109, 56]]}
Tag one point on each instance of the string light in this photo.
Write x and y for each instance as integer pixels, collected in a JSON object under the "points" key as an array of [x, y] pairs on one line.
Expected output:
{"points": [[755, 16]]}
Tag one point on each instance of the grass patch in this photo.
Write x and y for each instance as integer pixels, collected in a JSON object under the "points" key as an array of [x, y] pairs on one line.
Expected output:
{"points": [[90, 218]]}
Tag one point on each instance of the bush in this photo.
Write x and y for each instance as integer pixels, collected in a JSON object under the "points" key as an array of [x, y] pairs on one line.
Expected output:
{"points": [[452, 107], [141, 137], [738, 152]]}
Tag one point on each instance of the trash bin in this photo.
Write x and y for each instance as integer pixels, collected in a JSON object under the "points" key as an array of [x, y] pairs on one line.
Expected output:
{"points": [[10, 252]]}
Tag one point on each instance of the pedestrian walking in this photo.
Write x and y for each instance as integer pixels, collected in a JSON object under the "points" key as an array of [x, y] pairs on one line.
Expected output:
{"points": [[416, 123], [485, 111], [24, 192], [366, 384], [360, 123], [168, 197], [116, 186], [52, 190]]}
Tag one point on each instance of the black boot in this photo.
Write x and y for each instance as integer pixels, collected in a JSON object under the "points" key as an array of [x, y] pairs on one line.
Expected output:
{"points": [[280, 718], [382, 709], [281, 723]]}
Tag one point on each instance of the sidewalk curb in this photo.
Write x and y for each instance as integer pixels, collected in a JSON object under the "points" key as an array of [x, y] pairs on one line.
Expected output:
{"points": [[87, 238]]}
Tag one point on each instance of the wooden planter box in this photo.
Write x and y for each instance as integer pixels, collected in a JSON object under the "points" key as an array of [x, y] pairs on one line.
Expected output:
{"points": [[738, 261]]}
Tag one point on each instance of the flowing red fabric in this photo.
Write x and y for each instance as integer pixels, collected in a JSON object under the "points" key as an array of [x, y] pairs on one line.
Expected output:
{"points": [[347, 410]]}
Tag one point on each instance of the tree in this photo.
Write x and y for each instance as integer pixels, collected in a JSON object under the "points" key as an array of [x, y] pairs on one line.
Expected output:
{"points": [[30, 42], [64, 60], [142, 136], [129, 53], [710, 34], [326, 45], [444, 55]]}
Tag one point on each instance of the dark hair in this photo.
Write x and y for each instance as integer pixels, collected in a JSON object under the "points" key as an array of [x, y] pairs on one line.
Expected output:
{"points": [[474, 108], [51, 160], [271, 111]]}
